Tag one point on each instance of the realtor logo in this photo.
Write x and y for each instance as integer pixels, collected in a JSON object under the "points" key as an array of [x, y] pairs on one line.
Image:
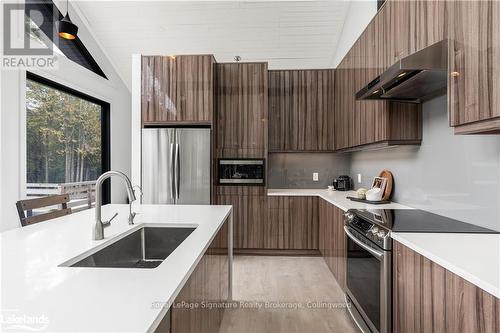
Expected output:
{"points": [[28, 35]]}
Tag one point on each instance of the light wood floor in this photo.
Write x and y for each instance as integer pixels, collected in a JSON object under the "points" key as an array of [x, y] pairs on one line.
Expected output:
{"points": [[283, 282]]}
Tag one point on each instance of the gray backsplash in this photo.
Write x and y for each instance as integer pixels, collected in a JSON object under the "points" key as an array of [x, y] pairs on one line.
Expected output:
{"points": [[453, 175], [295, 170]]}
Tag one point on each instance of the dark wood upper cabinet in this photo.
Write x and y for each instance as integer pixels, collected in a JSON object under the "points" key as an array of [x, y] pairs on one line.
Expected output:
{"points": [[474, 67], [365, 124], [427, 23], [241, 101], [301, 104], [429, 298], [177, 89], [396, 17]]}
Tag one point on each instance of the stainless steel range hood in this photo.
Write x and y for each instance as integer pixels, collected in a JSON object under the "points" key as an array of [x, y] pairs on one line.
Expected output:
{"points": [[413, 79]]}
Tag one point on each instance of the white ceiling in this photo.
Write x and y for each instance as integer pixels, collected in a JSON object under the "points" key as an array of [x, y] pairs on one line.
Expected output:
{"points": [[287, 34]]}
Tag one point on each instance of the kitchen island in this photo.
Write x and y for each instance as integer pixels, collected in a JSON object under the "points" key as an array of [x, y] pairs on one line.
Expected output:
{"points": [[37, 292]]}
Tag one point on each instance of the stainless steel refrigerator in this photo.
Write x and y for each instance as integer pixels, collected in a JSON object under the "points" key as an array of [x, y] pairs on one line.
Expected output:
{"points": [[176, 165]]}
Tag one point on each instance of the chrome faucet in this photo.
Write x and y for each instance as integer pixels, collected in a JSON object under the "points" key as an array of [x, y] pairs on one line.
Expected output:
{"points": [[99, 224]]}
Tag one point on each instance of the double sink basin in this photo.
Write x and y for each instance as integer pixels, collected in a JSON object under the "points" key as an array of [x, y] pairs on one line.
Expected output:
{"points": [[146, 247]]}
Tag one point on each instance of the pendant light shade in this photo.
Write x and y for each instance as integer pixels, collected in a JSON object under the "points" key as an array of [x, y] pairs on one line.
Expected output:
{"points": [[66, 28]]}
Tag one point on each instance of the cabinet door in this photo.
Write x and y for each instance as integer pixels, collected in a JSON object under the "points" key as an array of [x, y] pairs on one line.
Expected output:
{"points": [[242, 109], [300, 110], [340, 111], [428, 298], [427, 23], [177, 89], [249, 214], [370, 69], [208, 283], [396, 17], [356, 82], [292, 223], [474, 50], [332, 243]]}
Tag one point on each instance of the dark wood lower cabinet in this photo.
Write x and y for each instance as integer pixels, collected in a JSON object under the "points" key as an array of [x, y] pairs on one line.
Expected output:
{"points": [[332, 243], [292, 223], [429, 298], [207, 286], [249, 214], [266, 224]]}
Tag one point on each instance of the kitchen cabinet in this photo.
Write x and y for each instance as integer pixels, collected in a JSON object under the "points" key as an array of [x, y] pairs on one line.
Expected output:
{"points": [[301, 106], [270, 225], [292, 223], [207, 284], [474, 80], [427, 23], [404, 27], [177, 89], [368, 124], [396, 18], [249, 214], [332, 242], [429, 298], [241, 99]]}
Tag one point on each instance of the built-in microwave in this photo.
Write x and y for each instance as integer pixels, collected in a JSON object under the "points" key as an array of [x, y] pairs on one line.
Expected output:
{"points": [[241, 171]]}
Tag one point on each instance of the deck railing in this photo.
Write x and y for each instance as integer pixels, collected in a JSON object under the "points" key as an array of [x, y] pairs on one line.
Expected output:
{"points": [[81, 194]]}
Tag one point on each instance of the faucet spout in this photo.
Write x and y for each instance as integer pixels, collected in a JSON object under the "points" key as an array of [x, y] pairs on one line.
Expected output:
{"points": [[99, 224]]}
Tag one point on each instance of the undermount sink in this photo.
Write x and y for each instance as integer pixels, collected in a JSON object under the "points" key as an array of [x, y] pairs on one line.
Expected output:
{"points": [[146, 247]]}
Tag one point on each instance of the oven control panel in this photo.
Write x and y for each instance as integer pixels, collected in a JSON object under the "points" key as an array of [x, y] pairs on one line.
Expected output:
{"points": [[370, 230]]}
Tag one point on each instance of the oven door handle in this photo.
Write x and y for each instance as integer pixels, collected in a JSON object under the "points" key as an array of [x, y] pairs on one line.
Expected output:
{"points": [[378, 254]]}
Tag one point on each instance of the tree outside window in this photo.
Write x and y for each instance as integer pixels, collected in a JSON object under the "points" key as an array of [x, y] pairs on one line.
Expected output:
{"points": [[63, 134]]}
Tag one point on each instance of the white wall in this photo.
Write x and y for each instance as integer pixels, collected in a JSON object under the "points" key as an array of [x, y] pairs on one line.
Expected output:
{"points": [[12, 121], [453, 175], [360, 13]]}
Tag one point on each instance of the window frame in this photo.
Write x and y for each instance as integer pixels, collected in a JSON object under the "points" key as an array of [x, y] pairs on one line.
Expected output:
{"points": [[105, 126]]}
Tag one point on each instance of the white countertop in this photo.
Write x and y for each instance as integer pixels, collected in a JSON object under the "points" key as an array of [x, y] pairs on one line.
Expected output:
{"points": [[338, 198], [474, 257], [97, 299]]}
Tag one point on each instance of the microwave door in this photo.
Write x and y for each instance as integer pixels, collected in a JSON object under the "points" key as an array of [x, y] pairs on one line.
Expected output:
{"points": [[157, 165], [192, 166]]}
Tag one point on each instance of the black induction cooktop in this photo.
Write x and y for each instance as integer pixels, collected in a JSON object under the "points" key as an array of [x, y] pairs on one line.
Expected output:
{"points": [[415, 220]]}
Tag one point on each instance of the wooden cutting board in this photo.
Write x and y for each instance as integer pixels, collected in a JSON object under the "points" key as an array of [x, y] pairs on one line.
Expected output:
{"points": [[388, 185]]}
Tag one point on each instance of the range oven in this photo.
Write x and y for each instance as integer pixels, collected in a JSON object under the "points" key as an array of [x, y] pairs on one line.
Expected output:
{"points": [[369, 245], [242, 171], [368, 274]]}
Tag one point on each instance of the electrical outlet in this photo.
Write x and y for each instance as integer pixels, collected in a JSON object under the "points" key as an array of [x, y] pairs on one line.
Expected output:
{"points": [[359, 178], [315, 176]]}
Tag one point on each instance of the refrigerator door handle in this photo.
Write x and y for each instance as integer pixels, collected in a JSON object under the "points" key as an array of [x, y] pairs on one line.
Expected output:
{"points": [[177, 172], [171, 171]]}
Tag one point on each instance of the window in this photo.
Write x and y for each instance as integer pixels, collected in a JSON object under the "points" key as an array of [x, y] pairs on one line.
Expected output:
{"points": [[72, 49], [67, 142]]}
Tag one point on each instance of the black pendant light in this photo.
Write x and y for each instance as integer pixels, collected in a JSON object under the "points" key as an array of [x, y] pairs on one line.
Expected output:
{"points": [[66, 28]]}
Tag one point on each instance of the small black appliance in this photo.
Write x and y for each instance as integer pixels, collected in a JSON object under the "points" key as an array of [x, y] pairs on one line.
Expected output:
{"points": [[342, 183]]}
